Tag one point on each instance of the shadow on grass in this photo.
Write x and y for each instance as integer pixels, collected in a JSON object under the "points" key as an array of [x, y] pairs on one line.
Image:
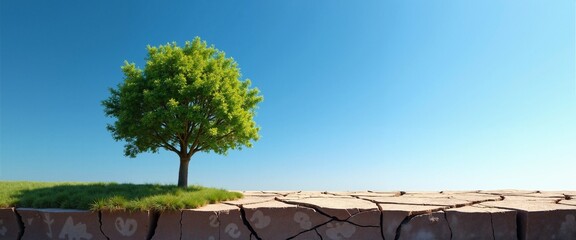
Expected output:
{"points": [[113, 196]]}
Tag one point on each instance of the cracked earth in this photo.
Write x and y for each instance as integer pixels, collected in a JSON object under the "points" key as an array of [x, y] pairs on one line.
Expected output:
{"points": [[297, 215]]}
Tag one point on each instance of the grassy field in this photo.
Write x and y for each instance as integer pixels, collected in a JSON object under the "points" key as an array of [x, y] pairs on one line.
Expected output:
{"points": [[108, 196]]}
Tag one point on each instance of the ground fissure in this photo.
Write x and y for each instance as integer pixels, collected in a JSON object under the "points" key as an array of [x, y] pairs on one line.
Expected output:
{"points": [[330, 215]]}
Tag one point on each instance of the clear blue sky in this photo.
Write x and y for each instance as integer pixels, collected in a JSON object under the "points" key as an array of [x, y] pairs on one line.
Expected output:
{"points": [[359, 95]]}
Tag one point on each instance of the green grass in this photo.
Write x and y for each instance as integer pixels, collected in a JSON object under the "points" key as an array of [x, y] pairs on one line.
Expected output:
{"points": [[108, 196]]}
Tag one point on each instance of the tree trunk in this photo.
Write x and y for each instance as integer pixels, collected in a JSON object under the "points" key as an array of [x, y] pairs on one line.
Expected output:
{"points": [[183, 172]]}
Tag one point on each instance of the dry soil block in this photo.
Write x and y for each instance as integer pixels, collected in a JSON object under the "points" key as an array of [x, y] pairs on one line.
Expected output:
{"points": [[212, 222], [393, 215], [427, 226], [60, 224], [128, 225], [542, 220], [9, 224], [336, 230], [277, 220], [482, 223], [353, 218], [168, 227]]}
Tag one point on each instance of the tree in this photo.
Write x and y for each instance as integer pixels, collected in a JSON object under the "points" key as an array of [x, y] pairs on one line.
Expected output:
{"points": [[186, 100]]}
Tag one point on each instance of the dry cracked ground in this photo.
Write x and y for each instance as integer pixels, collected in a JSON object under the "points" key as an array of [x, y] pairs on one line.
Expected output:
{"points": [[509, 214]]}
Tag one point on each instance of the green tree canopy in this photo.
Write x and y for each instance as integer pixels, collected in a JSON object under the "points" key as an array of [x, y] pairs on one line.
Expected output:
{"points": [[186, 100]]}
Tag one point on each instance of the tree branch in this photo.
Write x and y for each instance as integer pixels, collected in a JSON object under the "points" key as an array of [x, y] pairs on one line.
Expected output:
{"points": [[198, 148], [165, 143], [190, 128], [169, 147], [196, 139], [226, 135]]}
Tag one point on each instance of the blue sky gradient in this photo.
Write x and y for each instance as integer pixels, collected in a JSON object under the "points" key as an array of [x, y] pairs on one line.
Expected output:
{"points": [[365, 95]]}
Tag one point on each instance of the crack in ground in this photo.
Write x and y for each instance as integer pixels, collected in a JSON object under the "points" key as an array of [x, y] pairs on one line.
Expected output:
{"points": [[315, 228], [308, 206], [459, 205], [217, 213], [492, 224], [318, 209], [566, 197], [332, 218], [396, 194], [21, 224], [253, 231], [355, 224], [472, 203], [443, 209], [283, 194], [319, 235], [424, 204], [448, 223], [244, 217], [247, 223], [255, 202], [520, 220], [408, 218], [154, 217], [404, 222], [181, 226], [400, 193], [100, 221], [381, 215]]}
